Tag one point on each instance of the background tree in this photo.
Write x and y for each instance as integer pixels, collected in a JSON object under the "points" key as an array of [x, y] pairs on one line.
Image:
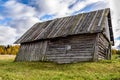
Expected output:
{"points": [[9, 50], [114, 51]]}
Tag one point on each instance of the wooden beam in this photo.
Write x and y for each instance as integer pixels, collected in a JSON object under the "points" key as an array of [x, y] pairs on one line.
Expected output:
{"points": [[95, 54]]}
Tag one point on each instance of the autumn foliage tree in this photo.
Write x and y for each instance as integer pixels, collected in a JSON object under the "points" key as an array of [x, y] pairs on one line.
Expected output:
{"points": [[1, 50], [114, 51], [118, 52], [9, 50]]}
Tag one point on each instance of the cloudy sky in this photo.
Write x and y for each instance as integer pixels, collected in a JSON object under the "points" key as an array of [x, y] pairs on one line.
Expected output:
{"points": [[17, 16]]}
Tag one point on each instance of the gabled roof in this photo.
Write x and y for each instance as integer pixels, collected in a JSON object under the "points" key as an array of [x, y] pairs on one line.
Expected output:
{"points": [[78, 24]]}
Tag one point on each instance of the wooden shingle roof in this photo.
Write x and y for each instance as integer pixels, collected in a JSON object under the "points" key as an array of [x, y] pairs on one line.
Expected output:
{"points": [[78, 24]]}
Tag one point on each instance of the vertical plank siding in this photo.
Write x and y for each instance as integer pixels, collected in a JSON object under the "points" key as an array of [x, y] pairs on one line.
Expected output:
{"points": [[32, 51]]}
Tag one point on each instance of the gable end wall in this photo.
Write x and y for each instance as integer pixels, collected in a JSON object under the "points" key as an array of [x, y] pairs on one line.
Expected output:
{"points": [[104, 47]]}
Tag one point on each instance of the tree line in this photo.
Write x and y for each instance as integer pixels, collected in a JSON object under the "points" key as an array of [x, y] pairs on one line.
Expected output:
{"points": [[9, 49], [114, 51]]}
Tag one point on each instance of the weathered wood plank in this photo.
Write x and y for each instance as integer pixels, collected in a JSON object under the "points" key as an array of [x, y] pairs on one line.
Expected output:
{"points": [[57, 49], [103, 46]]}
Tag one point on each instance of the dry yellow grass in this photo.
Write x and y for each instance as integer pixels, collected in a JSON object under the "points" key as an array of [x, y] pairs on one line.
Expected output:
{"points": [[7, 57]]}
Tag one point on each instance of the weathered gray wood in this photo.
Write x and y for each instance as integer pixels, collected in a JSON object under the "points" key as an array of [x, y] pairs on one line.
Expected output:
{"points": [[70, 60], [32, 51], [78, 24], [103, 47], [47, 50], [100, 22], [57, 50], [44, 48], [90, 26], [69, 39], [95, 54]]}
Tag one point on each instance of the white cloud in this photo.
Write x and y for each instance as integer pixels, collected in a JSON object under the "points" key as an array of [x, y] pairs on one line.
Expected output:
{"points": [[1, 17], [7, 35], [18, 10], [114, 5], [22, 25], [23, 16], [57, 7], [117, 43], [61, 8], [115, 16]]}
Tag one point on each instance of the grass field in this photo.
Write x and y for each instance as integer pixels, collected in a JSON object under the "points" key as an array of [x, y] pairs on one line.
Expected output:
{"points": [[102, 70]]}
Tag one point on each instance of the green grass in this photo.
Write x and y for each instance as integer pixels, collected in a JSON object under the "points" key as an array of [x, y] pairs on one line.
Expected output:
{"points": [[102, 70]]}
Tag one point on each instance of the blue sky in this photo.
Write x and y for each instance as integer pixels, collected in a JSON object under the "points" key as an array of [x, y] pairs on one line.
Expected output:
{"points": [[17, 16]]}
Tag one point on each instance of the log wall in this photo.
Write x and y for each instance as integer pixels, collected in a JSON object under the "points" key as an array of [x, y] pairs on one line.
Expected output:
{"points": [[104, 47], [61, 50], [71, 49]]}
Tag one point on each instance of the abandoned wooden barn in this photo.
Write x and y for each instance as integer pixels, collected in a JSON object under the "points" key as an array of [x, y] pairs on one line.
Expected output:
{"points": [[83, 37]]}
